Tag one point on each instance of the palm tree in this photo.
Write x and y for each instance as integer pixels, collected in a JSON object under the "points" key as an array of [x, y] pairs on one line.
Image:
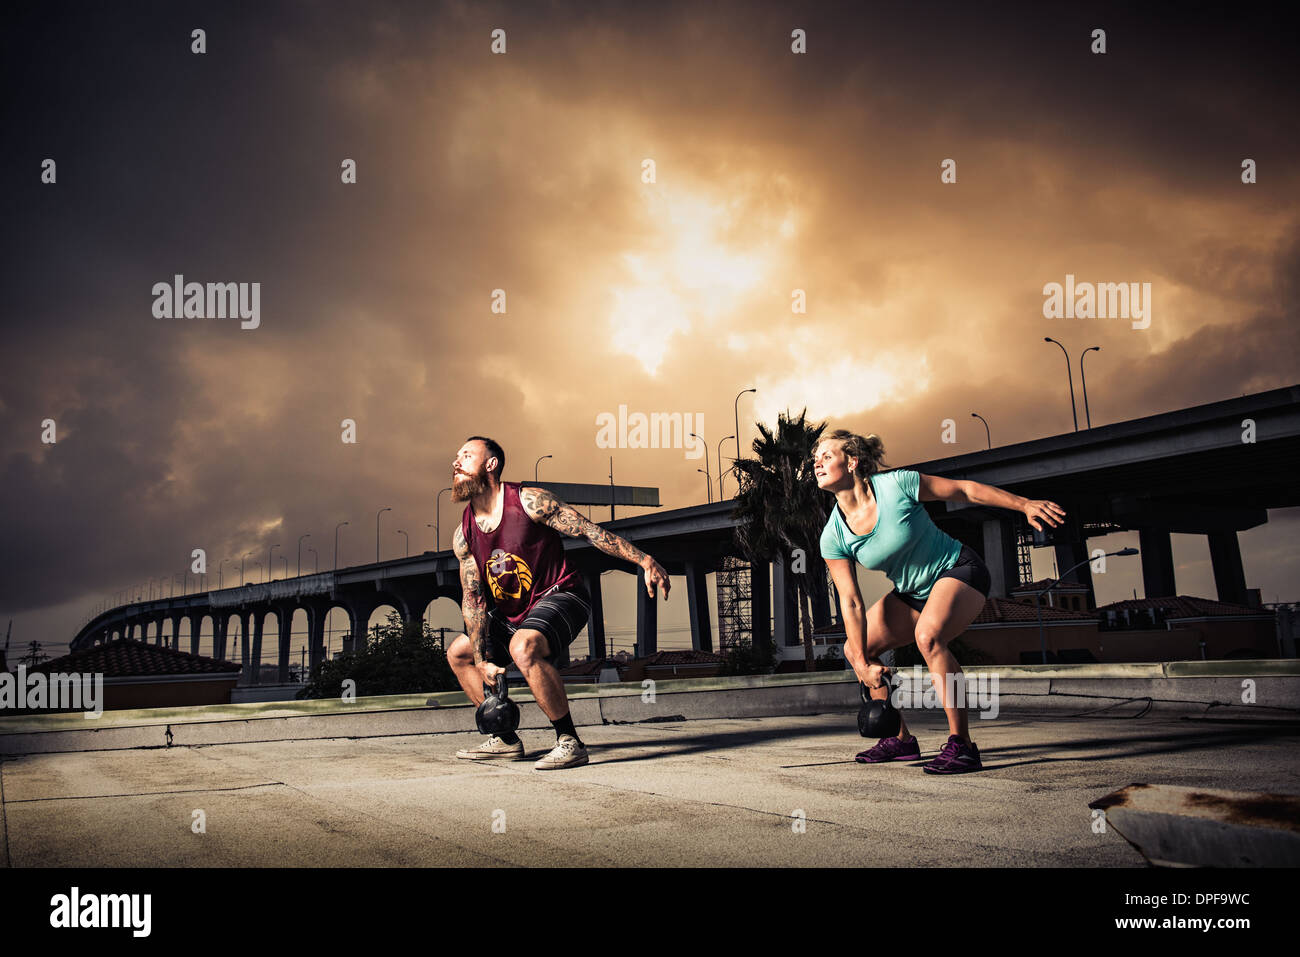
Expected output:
{"points": [[781, 509]]}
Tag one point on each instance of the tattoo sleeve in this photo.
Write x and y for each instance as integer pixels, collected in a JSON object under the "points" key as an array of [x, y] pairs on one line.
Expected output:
{"points": [[473, 605], [544, 507]]}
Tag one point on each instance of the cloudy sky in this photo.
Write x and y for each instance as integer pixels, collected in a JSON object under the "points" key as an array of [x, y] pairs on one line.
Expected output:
{"points": [[526, 172]]}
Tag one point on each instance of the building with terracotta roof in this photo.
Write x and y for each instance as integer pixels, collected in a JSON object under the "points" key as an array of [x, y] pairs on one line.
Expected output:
{"points": [[141, 675]]}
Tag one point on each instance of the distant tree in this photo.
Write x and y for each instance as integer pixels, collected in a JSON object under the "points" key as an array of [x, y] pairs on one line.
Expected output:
{"points": [[396, 659], [779, 507]]}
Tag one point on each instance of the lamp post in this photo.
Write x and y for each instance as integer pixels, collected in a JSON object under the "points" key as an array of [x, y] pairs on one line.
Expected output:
{"points": [[300, 538], [221, 578], [1070, 374], [437, 519], [721, 474], [315, 559], [707, 476], [386, 508], [735, 408], [1084, 383], [336, 544], [539, 462], [708, 484], [1038, 604], [258, 564], [408, 542], [242, 579], [987, 436], [270, 562]]}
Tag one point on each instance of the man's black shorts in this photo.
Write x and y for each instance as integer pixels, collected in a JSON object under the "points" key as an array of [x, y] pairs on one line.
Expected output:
{"points": [[969, 568], [560, 616]]}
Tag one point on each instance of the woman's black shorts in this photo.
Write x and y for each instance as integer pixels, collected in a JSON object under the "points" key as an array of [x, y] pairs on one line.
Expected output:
{"points": [[969, 568]]}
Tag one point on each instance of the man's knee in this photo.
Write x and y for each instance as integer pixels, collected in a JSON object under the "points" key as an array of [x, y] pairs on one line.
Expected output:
{"points": [[527, 648], [460, 652]]}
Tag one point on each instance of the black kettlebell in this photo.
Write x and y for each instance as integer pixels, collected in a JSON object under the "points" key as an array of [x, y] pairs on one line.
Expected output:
{"points": [[878, 718], [497, 714]]}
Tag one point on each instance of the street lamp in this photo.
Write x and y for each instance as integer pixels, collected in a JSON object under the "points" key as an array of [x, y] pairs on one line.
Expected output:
{"points": [[300, 538], [258, 564], [336, 544], [735, 408], [1086, 413], [270, 563], [386, 508], [1070, 374], [221, 579], [1038, 605], [242, 580], [705, 470], [987, 436], [437, 519], [408, 542], [315, 561], [708, 484], [721, 474], [539, 462]]}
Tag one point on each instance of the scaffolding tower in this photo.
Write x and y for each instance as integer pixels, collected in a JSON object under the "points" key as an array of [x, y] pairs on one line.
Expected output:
{"points": [[735, 622]]}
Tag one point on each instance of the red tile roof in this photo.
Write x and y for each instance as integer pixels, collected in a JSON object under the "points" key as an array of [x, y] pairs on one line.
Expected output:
{"points": [[684, 657], [1186, 606], [129, 658], [1007, 610], [1037, 586]]}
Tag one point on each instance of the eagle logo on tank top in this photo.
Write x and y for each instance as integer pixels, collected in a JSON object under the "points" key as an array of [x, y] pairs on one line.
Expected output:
{"points": [[508, 575]]}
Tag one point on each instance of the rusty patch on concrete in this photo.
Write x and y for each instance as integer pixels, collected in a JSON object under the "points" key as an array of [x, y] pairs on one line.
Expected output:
{"points": [[1118, 798], [1256, 810]]}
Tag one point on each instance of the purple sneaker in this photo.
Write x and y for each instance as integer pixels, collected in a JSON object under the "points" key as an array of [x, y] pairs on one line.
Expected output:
{"points": [[890, 749], [956, 757]]}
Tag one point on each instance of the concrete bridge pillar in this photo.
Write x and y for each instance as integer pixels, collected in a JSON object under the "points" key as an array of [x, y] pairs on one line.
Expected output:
{"points": [[1157, 563], [596, 617], [176, 632], [315, 633], [647, 618], [218, 634], [285, 615], [697, 597], [760, 607], [1229, 576], [784, 605], [196, 630], [249, 655], [1069, 554], [359, 613], [1000, 555], [819, 588]]}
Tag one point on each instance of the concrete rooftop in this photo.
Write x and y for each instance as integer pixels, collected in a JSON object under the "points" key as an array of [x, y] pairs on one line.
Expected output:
{"points": [[712, 791]]}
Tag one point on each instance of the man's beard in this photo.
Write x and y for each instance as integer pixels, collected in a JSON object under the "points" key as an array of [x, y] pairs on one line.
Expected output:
{"points": [[462, 490]]}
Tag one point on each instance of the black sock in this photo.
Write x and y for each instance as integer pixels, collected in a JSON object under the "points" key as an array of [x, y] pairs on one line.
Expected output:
{"points": [[564, 725], [509, 737]]}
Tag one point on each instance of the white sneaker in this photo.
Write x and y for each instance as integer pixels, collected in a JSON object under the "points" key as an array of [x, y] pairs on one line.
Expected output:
{"points": [[567, 753], [493, 747]]}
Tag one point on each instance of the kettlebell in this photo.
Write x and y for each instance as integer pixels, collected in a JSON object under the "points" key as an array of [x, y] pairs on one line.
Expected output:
{"points": [[497, 714], [878, 718]]}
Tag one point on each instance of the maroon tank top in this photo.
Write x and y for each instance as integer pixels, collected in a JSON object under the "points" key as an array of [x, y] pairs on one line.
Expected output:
{"points": [[521, 560]]}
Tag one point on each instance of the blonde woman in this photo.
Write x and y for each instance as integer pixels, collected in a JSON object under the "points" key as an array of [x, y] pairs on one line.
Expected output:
{"points": [[940, 585]]}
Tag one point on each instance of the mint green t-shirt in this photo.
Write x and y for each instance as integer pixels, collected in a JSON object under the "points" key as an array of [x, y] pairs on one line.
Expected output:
{"points": [[905, 544]]}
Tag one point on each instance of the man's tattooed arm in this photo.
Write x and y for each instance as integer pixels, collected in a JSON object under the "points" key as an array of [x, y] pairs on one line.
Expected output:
{"points": [[473, 604], [542, 506]]}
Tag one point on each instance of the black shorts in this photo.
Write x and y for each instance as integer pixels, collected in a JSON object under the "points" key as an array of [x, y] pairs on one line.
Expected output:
{"points": [[560, 616], [970, 568]]}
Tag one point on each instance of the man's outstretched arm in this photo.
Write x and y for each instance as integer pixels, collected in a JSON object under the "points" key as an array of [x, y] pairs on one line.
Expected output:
{"points": [[542, 506], [473, 603]]}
